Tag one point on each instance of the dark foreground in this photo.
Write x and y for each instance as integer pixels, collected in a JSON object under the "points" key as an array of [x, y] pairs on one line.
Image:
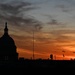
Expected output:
{"points": [[31, 66], [39, 64]]}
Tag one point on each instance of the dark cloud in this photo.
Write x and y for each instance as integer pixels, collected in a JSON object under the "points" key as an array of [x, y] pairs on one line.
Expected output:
{"points": [[41, 2], [12, 9], [64, 8], [52, 20], [37, 26], [72, 2], [66, 5], [15, 14], [55, 22]]}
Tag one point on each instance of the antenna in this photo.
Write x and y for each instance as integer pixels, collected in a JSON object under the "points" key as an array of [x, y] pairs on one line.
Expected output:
{"points": [[33, 44]]}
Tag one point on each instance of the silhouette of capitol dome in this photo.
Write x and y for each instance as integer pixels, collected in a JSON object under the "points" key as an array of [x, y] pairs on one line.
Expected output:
{"points": [[7, 47]]}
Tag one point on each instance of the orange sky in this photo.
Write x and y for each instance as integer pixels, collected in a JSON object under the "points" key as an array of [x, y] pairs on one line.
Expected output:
{"points": [[43, 49], [53, 23], [45, 43]]}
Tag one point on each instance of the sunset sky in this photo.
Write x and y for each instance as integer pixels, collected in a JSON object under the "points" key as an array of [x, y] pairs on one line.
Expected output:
{"points": [[53, 24]]}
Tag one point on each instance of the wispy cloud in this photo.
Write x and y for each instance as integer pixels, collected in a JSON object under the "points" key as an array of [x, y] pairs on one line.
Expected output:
{"points": [[64, 8], [15, 14], [54, 22]]}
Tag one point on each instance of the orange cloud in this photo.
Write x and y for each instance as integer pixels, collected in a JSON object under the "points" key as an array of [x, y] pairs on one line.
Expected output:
{"points": [[46, 43]]}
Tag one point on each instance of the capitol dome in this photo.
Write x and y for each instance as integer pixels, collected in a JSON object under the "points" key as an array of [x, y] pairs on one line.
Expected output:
{"points": [[6, 40], [7, 46]]}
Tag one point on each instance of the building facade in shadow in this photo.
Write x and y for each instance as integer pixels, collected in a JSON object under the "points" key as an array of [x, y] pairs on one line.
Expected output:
{"points": [[7, 47]]}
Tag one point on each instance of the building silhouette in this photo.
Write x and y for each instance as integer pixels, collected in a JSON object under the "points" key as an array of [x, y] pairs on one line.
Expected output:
{"points": [[7, 47]]}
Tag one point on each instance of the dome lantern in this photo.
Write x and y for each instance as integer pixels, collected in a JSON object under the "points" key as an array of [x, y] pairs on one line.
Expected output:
{"points": [[6, 29]]}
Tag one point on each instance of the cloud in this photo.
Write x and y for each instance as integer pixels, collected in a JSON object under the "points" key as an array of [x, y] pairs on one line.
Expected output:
{"points": [[64, 8], [55, 22], [52, 20], [16, 8], [15, 13], [63, 37], [12, 9], [72, 2]]}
